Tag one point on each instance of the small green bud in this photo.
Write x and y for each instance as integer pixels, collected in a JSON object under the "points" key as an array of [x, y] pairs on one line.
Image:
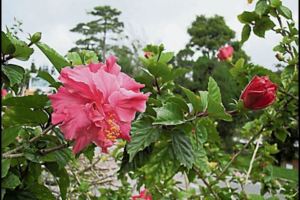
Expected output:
{"points": [[36, 37]]}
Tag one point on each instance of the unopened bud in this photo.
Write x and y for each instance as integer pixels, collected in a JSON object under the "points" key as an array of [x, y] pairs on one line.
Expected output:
{"points": [[279, 56], [36, 37]]}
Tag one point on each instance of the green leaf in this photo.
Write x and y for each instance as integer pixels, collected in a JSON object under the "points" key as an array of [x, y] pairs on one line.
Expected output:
{"points": [[31, 101], [180, 101], [166, 57], [9, 135], [41, 192], [275, 3], [47, 77], [142, 135], [74, 58], [214, 91], [61, 176], [212, 133], [14, 73], [22, 51], [204, 102], [215, 107], [246, 33], [201, 131], [24, 116], [89, 152], [285, 11], [261, 7], [239, 63], [194, 99], [281, 134], [247, 17], [57, 60], [5, 165], [255, 197], [183, 149], [6, 45], [89, 57], [11, 181], [262, 25], [169, 114]]}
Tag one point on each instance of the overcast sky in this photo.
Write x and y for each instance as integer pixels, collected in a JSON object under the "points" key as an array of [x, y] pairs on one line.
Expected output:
{"points": [[151, 21]]}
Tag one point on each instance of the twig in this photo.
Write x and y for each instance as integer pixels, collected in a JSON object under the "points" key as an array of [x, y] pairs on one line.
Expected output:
{"points": [[30, 141], [209, 187], [16, 155], [238, 153], [258, 141], [49, 150], [90, 166]]}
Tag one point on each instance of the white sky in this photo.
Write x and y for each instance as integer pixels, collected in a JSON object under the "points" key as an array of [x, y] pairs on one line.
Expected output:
{"points": [[151, 21]]}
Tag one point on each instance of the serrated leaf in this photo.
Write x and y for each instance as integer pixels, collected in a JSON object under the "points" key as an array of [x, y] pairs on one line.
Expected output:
{"points": [[56, 59], [143, 134], [11, 181], [169, 114], [14, 73], [215, 107], [5, 165], [9, 135], [204, 102], [285, 11], [6, 45], [201, 131], [194, 99], [47, 77], [246, 33], [31, 101], [183, 149]]}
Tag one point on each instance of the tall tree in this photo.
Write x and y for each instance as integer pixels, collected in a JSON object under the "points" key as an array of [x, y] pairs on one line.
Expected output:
{"points": [[208, 34], [98, 32]]}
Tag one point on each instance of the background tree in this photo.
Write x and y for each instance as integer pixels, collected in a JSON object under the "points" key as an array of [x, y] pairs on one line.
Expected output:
{"points": [[97, 32]]}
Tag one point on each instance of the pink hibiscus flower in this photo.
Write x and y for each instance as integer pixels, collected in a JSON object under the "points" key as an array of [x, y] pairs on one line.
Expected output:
{"points": [[96, 104]]}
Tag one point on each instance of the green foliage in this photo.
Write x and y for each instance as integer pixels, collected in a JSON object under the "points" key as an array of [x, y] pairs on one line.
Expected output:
{"points": [[183, 150], [143, 134], [57, 60], [209, 34], [14, 73]]}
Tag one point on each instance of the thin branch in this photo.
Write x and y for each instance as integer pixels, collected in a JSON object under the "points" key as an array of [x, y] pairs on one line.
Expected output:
{"points": [[49, 150], [31, 140], [16, 155], [209, 187], [258, 141], [238, 153], [90, 166]]}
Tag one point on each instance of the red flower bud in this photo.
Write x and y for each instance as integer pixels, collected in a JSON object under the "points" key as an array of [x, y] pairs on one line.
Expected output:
{"points": [[259, 93], [225, 53], [148, 54], [143, 195], [3, 92]]}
